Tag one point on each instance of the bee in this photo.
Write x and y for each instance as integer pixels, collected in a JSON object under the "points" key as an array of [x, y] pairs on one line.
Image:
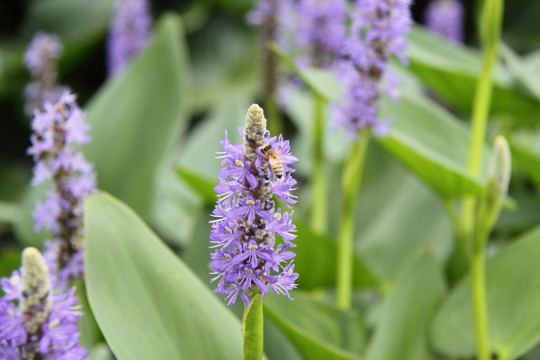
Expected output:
{"points": [[273, 159]]}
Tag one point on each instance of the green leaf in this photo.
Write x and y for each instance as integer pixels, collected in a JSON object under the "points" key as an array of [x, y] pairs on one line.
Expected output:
{"points": [[147, 303], [316, 262], [202, 186], [321, 82], [174, 205], [136, 117], [276, 344], [452, 70], [528, 78], [513, 279], [432, 144], [527, 158], [318, 330], [402, 330], [9, 212], [203, 142], [389, 231], [100, 352]]}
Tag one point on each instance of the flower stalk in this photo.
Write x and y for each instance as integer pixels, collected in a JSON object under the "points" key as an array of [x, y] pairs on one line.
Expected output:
{"points": [[319, 214], [252, 328], [352, 177], [473, 220], [56, 130]]}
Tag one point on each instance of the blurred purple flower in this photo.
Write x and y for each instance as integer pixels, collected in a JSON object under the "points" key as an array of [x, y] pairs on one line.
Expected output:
{"points": [[445, 17], [129, 33], [247, 221], [56, 130], [378, 30], [321, 29], [40, 59], [34, 323]]}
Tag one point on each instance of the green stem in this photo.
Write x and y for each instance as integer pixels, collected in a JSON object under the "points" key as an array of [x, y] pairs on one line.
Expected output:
{"points": [[480, 304], [481, 106], [490, 26], [352, 177], [252, 329], [319, 214]]}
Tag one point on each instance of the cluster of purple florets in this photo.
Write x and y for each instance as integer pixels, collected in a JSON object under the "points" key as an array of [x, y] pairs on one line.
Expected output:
{"points": [[35, 323], [56, 129], [247, 221], [40, 59], [377, 33], [129, 33]]}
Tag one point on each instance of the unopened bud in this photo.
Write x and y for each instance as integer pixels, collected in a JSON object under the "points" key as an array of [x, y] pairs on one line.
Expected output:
{"points": [[255, 128], [35, 289], [501, 164], [496, 190]]}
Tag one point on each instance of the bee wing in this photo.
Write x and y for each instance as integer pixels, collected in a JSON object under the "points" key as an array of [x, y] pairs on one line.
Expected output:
{"points": [[288, 159]]}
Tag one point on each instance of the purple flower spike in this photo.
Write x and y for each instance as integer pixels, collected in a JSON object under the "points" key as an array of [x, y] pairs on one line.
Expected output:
{"points": [[377, 33], [40, 59], [56, 130], [34, 323], [129, 33], [247, 222], [445, 17]]}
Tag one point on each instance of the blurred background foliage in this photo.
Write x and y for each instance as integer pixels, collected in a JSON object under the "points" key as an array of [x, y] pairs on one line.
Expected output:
{"points": [[155, 130]]}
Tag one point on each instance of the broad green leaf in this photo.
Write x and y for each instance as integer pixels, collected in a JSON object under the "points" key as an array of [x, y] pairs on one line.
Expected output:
{"points": [[452, 70], [100, 352], [321, 82], [203, 142], [147, 303], [512, 281], [402, 330], [136, 117], [9, 212], [276, 344], [316, 261], [200, 184], [174, 205], [88, 328], [317, 330], [432, 144], [396, 216]]}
